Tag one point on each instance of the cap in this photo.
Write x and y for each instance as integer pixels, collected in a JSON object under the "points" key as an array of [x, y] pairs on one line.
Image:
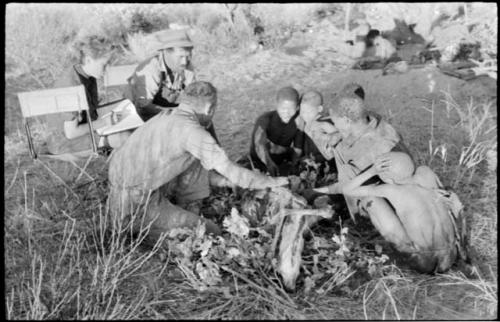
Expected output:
{"points": [[170, 38]]}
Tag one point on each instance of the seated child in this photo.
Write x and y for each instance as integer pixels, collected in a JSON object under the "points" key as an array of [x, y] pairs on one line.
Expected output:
{"points": [[311, 106], [276, 139], [427, 213]]}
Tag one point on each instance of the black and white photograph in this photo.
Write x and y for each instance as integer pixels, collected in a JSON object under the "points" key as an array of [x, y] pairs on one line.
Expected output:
{"points": [[251, 161]]}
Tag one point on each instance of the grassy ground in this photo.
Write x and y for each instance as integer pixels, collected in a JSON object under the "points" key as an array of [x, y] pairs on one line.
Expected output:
{"points": [[63, 262]]}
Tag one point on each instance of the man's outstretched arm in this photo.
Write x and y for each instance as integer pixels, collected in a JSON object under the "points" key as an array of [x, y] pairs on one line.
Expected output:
{"points": [[212, 157], [354, 187]]}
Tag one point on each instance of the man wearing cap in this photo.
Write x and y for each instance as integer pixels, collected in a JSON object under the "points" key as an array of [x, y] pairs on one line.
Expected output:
{"points": [[157, 183], [157, 82]]}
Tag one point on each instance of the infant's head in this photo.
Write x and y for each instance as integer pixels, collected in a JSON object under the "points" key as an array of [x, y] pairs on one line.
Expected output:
{"points": [[311, 104], [401, 167]]}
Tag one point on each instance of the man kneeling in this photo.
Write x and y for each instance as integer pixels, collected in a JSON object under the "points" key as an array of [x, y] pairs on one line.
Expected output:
{"points": [[171, 159]]}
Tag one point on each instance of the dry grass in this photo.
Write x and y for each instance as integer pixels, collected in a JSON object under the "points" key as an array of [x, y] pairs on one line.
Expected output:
{"points": [[62, 260]]}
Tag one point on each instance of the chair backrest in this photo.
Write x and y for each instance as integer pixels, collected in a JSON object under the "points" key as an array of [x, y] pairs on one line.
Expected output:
{"points": [[118, 75], [50, 101]]}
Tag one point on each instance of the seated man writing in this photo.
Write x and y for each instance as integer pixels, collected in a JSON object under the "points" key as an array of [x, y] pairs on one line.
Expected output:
{"points": [[426, 212], [68, 130], [170, 162], [276, 139]]}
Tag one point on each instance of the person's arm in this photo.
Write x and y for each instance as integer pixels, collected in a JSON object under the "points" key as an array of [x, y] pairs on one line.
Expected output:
{"points": [[144, 84], [325, 136], [298, 146], [261, 144], [73, 130], [349, 186], [203, 147], [218, 180]]}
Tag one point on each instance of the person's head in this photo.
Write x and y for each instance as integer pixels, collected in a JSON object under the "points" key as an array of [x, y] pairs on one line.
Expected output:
{"points": [[311, 105], [287, 101], [401, 169], [176, 47], [348, 113], [178, 58], [201, 97], [95, 53]]}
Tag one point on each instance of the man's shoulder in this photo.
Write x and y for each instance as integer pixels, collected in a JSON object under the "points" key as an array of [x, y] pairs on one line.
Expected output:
{"points": [[264, 118], [268, 114], [382, 128]]}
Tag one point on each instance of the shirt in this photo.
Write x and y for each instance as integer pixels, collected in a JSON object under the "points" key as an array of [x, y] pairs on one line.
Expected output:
{"points": [[165, 147], [150, 79], [270, 128]]}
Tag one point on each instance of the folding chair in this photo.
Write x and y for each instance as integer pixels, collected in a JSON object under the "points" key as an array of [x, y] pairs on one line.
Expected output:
{"points": [[52, 101], [118, 75]]}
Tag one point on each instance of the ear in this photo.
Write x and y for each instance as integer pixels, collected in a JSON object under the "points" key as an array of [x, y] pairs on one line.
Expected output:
{"points": [[206, 107], [320, 108]]}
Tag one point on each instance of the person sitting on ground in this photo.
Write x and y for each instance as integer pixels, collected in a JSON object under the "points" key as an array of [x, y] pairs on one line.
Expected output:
{"points": [[363, 137], [427, 213], [276, 140], [323, 132], [165, 180], [311, 106], [69, 130]]}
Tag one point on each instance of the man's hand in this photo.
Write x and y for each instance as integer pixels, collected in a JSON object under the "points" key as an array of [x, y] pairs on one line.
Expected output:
{"points": [[169, 94], [382, 164]]}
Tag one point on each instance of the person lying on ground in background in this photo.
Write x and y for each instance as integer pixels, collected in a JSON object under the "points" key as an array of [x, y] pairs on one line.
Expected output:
{"points": [[426, 211], [69, 131], [276, 140], [166, 167], [158, 81]]}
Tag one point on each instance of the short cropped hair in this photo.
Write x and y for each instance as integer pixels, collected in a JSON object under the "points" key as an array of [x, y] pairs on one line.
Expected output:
{"points": [[313, 98], [288, 94], [93, 46], [351, 106], [198, 93], [354, 88]]}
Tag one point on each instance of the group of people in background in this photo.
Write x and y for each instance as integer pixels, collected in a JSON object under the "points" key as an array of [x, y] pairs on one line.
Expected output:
{"points": [[165, 168]]}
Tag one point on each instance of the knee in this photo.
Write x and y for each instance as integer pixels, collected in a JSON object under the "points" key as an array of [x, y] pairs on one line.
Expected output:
{"points": [[116, 140]]}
